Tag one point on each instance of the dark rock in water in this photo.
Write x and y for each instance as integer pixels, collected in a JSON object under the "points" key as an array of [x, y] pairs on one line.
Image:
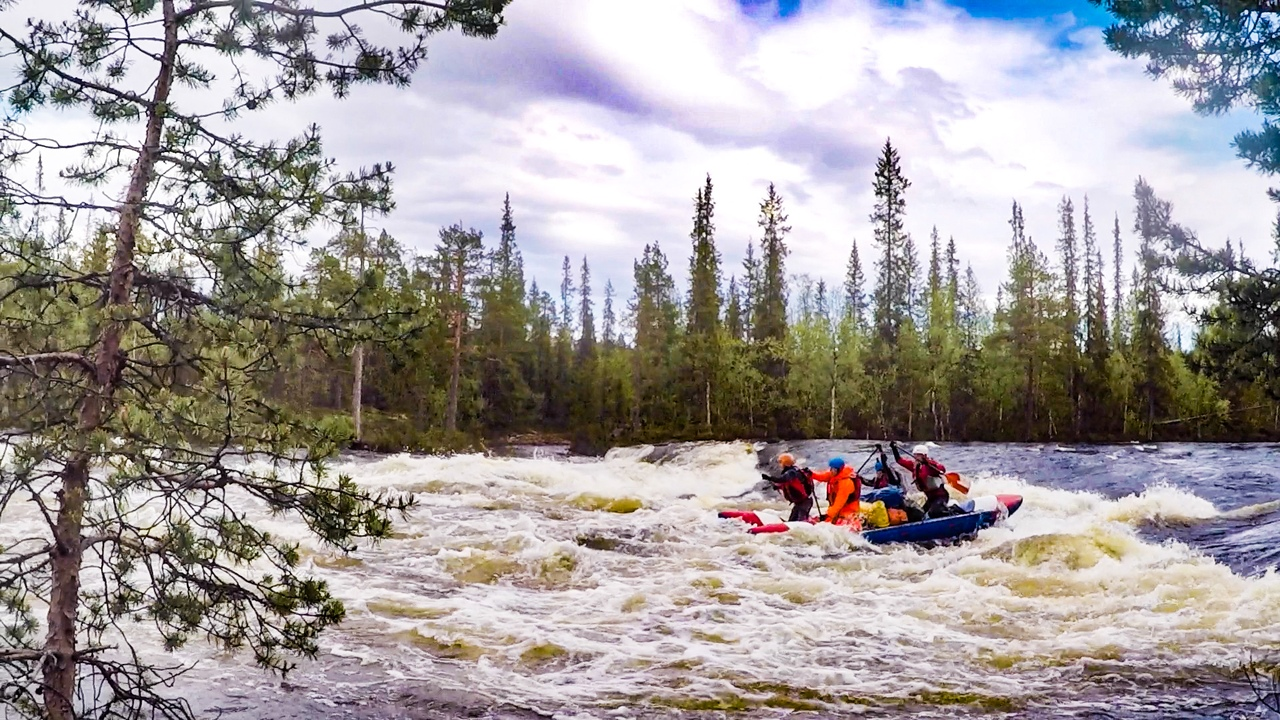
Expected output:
{"points": [[620, 541], [559, 451], [667, 452], [588, 445], [598, 542], [1076, 450], [764, 487]]}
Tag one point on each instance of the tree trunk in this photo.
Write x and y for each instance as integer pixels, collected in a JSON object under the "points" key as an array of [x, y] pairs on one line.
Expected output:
{"points": [[1077, 414], [1151, 414], [911, 416], [64, 592], [451, 413], [1031, 399], [708, 403], [357, 382], [933, 409], [67, 551], [357, 389], [832, 433]]}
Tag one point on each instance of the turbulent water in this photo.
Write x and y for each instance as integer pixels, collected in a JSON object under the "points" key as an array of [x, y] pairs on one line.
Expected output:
{"points": [[1132, 583]]}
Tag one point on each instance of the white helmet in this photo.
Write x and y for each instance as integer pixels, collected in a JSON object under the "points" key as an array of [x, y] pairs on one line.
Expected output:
{"points": [[920, 450]]}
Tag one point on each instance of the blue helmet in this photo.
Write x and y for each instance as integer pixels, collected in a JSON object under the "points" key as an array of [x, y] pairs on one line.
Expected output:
{"points": [[879, 466], [836, 463]]}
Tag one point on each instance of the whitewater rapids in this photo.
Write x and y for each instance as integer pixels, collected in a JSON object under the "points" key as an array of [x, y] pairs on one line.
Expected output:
{"points": [[609, 588]]}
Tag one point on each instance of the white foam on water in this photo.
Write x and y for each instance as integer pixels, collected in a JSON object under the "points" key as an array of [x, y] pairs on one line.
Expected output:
{"points": [[581, 586], [667, 603]]}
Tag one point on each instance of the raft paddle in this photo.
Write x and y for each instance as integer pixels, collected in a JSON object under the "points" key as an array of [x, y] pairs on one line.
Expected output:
{"points": [[816, 505], [864, 462], [957, 482]]}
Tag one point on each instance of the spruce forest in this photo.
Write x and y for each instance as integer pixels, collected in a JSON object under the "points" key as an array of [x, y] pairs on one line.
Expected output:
{"points": [[466, 348], [1076, 348]]}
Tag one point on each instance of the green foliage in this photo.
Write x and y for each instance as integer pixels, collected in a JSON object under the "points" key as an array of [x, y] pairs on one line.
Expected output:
{"points": [[653, 315], [1027, 327], [896, 355], [1095, 406], [855, 295], [892, 298], [957, 369], [769, 313], [1148, 345], [502, 347], [702, 351]]}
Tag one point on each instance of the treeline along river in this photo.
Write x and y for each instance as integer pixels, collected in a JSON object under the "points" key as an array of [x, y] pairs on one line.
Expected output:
{"points": [[1131, 584]]}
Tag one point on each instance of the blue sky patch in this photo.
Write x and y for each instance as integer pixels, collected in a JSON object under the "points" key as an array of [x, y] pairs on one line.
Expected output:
{"points": [[1207, 139], [1084, 11], [774, 8]]}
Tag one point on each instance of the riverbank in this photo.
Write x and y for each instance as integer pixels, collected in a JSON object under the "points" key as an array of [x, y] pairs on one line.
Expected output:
{"points": [[391, 434]]}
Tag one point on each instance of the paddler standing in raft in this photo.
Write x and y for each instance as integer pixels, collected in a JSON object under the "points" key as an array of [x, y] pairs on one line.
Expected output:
{"points": [[796, 487], [930, 479], [844, 489]]}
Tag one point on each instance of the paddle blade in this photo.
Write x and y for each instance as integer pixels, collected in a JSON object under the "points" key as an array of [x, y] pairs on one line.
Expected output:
{"points": [[957, 482]]}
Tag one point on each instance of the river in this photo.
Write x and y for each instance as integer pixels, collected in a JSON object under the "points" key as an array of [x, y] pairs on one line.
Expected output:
{"points": [[1132, 583]]}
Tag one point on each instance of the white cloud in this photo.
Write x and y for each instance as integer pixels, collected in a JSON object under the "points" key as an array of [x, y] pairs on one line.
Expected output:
{"points": [[983, 113], [601, 119]]}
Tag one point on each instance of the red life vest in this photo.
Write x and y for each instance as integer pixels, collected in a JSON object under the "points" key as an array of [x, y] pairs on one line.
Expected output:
{"points": [[929, 475]]}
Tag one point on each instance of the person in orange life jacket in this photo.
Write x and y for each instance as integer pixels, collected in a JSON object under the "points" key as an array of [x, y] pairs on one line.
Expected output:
{"points": [[929, 476], [844, 490], [795, 485]]}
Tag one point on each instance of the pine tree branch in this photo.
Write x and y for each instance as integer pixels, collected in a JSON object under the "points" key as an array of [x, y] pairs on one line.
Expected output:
{"points": [[43, 281], [47, 359], [19, 559], [31, 52], [16, 656], [303, 12]]}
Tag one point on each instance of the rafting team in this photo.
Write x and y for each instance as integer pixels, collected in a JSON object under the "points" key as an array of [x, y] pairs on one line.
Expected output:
{"points": [[888, 503]]}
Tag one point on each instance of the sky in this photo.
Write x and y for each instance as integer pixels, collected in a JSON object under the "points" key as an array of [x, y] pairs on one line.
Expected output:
{"points": [[602, 118]]}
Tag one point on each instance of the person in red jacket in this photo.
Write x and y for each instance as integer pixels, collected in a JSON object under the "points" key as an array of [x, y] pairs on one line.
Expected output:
{"points": [[795, 485], [929, 476], [844, 491]]}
